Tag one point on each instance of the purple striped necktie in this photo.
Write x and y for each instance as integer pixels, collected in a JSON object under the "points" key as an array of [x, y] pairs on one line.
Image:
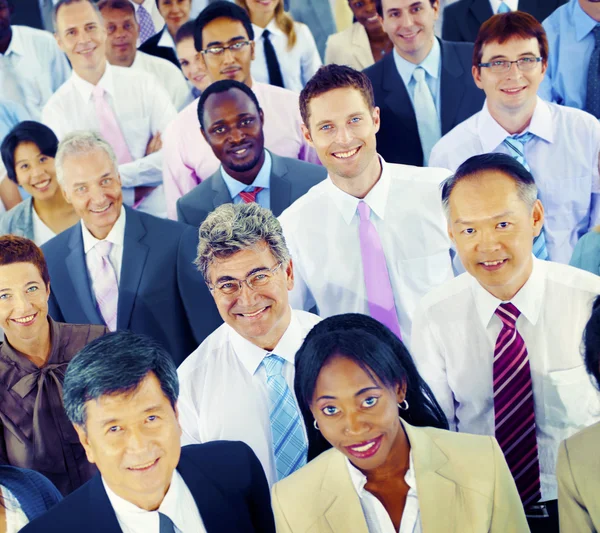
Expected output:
{"points": [[104, 282], [380, 296], [514, 406], [146, 23]]}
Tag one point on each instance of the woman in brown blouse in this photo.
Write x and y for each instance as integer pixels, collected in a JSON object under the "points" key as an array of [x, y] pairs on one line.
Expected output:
{"points": [[34, 430]]}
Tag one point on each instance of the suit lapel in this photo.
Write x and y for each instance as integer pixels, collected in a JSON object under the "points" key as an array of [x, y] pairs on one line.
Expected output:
{"points": [[280, 189], [451, 85], [102, 517], [397, 98], [361, 47], [220, 191]]}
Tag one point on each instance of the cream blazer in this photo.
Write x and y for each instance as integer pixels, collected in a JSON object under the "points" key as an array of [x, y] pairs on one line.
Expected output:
{"points": [[463, 485], [350, 47], [578, 476]]}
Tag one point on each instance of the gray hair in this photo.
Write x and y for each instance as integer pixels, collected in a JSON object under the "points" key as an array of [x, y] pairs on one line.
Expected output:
{"points": [[232, 228], [79, 143], [61, 3]]}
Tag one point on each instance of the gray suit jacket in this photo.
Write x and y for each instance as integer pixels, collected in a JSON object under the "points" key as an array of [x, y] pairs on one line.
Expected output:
{"points": [[290, 179], [317, 15], [18, 220]]}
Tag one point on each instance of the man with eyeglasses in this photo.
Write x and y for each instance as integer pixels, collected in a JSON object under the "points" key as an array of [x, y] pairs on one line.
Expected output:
{"points": [[238, 384], [558, 145], [224, 36]]}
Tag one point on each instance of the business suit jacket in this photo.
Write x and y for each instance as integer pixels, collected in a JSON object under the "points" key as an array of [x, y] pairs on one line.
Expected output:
{"points": [[463, 19], [578, 476], [149, 292], [350, 47], [463, 485], [224, 477], [398, 138], [150, 46], [33, 13], [289, 180], [318, 16], [18, 220], [586, 254]]}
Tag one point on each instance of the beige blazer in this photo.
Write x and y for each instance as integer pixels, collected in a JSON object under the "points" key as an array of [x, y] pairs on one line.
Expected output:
{"points": [[578, 476], [463, 485], [350, 47]]}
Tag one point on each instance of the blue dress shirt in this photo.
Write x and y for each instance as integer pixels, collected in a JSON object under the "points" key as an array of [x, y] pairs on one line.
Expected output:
{"points": [[571, 41], [263, 179], [11, 114]]}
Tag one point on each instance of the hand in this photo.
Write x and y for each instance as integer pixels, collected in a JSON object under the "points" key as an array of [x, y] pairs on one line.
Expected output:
{"points": [[154, 144]]}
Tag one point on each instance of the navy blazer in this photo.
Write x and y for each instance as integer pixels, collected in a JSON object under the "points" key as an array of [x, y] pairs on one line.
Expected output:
{"points": [[149, 291], [289, 180], [225, 478], [151, 47], [398, 138], [463, 19]]}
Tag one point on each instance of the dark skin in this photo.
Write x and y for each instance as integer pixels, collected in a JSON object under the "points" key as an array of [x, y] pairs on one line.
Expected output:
{"points": [[6, 10], [366, 13], [353, 408]]}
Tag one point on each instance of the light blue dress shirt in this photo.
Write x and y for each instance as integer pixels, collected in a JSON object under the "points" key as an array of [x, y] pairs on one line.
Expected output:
{"points": [[11, 114], [263, 179], [432, 65], [571, 41]]}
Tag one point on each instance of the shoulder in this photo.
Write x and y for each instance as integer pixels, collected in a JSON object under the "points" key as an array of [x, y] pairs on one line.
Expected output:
{"points": [[35, 492], [560, 14], [41, 36], [455, 9], [158, 226], [196, 364], [341, 38], [57, 246], [301, 169], [375, 71], [272, 96], [132, 77], [577, 119], [62, 97], [306, 320], [314, 200], [423, 177], [589, 244], [12, 221], [572, 278], [584, 443], [438, 297], [464, 51], [85, 332]]}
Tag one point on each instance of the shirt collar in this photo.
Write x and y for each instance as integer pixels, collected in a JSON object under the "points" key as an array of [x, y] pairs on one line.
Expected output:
{"points": [[271, 26], [359, 480], [85, 88], [166, 40], [116, 234], [16, 45], [584, 24], [263, 178], [431, 64]]}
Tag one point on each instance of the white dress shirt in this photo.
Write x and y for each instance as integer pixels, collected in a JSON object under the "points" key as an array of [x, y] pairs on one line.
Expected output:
{"points": [[563, 157], [454, 334], [16, 519], [513, 4], [178, 504], [321, 231], [377, 518], [41, 232], [32, 69], [297, 65], [223, 389], [152, 8]]}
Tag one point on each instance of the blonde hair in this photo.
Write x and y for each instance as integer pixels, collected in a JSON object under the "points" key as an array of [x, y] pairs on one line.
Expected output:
{"points": [[283, 20]]}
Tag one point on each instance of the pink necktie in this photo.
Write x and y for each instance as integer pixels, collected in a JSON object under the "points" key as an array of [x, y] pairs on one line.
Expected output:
{"points": [[250, 196], [377, 279], [146, 23], [514, 407], [109, 126], [104, 281]]}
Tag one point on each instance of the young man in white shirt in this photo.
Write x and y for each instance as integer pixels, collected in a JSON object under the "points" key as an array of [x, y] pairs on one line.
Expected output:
{"points": [[324, 228], [500, 345], [234, 386]]}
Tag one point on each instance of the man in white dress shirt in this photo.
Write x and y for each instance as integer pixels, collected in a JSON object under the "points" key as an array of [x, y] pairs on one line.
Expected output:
{"points": [[500, 344], [371, 238], [238, 384]]}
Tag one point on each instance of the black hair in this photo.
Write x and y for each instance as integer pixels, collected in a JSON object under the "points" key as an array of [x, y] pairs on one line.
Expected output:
{"points": [[378, 352], [222, 86], [221, 9], [27, 131], [591, 342], [186, 31]]}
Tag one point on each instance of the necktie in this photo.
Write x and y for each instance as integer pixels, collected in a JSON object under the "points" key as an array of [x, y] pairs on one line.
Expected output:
{"points": [[109, 126], [428, 122], [503, 8], [250, 196], [516, 145], [513, 406], [104, 282], [165, 524], [289, 443], [592, 98], [275, 77], [146, 23], [380, 297]]}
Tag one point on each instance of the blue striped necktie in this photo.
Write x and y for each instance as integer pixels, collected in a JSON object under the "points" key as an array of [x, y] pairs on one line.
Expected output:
{"points": [[516, 145], [503, 8], [289, 443]]}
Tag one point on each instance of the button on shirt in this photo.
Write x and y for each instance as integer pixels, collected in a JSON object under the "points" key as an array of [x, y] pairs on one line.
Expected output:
{"points": [[322, 233], [454, 334], [263, 179], [178, 504], [224, 393], [563, 157]]}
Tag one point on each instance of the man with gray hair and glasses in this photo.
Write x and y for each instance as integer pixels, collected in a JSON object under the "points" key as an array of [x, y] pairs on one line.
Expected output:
{"points": [[121, 396], [238, 384]]}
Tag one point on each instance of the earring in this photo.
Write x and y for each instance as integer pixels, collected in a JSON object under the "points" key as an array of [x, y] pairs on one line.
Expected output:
{"points": [[403, 406], [316, 425]]}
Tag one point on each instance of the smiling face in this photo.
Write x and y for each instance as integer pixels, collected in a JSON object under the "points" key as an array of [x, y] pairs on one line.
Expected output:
{"points": [[175, 12], [134, 440], [262, 8], [35, 172], [365, 12], [192, 64], [123, 31]]}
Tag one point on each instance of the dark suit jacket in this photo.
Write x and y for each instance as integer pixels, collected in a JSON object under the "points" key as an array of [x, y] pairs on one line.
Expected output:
{"points": [[149, 291], [225, 478], [166, 52], [463, 19], [398, 137], [31, 13], [289, 180]]}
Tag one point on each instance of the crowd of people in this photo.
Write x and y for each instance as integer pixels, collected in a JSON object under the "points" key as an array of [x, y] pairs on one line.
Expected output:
{"points": [[326, 266]]}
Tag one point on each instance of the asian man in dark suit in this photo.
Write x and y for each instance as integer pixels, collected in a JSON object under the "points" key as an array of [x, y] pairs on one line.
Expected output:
{"points": [[231, 121], [121, 395], [424, 88]]}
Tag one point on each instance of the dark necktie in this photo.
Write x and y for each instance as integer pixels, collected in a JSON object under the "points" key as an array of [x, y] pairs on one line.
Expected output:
{"points": [[275, 77], [165, 524], [592, 99], [250, 196]]}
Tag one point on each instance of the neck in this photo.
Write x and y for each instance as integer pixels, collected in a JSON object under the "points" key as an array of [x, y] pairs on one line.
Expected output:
{"points": [[5, 40], [418, 56], [514, 120], [396, 463], [508, 292], [248, 177], [262, 19], [361, 185], [55, 205], [36, 349], [271, 340], [93, 75]]}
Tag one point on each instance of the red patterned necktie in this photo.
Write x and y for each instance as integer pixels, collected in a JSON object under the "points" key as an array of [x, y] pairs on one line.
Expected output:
{"points": [[514, 408], [250, 196]]}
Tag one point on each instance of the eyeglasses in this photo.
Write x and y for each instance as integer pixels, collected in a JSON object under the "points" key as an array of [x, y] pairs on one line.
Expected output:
{"points": [[524, 64], [220, 50], [258, 279]]}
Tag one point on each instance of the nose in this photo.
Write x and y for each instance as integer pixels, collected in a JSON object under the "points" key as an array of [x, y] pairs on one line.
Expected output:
{"points": [[405, 19], [97, 195], [343, 136], [246, 296], [237, 136], [514, 71], [354, 425], [136, 440], [488, 241], [22, 305], [228, 56]]}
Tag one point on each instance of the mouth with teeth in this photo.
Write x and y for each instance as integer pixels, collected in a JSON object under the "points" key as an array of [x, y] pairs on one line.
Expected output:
{"points": [[346, 155], [26, 320], [408, 36], [254, 315], [101, 210], [144, 467], [42, 185], [491, 266], [365, 449], [241, 151], [513, 91]]}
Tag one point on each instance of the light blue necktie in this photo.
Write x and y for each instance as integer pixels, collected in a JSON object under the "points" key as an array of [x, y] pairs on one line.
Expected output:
{"points": [[428, 123], [503, 8], [165, 524], [516, 145], [289, 443]]}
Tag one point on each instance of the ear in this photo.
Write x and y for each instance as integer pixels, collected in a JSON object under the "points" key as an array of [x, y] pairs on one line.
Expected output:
{"points": [[252, 46], [289, 272], [451, 233], [400, 390], [306, 135], [376, 118], [85, 442], [176, 409], [476, 71], [537, 216], [436, 9], [48, 292], [262, 117]]}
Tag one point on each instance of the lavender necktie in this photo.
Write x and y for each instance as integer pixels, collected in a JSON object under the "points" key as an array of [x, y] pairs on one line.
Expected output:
{"points": [[104, 282], [146, 23], [109, 126], [377, 279]]}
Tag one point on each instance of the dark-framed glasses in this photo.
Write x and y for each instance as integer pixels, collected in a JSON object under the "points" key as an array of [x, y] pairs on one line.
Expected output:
{"points": [[256, 279], [217, 51], [523, 64]]}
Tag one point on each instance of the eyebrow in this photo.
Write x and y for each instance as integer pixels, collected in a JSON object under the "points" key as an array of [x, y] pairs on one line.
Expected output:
{"points": [[495, 217], [111, 421], [359, 393], [393, 9], [26, 285], [105, 175], [220, 43], [253, 271], [240, 115], [502, 56], [351, 115]]}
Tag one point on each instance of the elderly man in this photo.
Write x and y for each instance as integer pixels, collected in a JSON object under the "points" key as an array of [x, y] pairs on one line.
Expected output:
{"points": [[120, 393], [500, 344], [238, 384]]}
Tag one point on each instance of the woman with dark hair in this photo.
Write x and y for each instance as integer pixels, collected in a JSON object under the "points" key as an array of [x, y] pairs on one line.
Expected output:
{"points": [[28, 153], [394, 466]]}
